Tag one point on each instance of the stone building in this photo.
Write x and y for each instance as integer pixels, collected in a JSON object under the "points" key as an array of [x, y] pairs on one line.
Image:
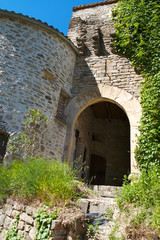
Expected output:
{"points": [[89, 92]]}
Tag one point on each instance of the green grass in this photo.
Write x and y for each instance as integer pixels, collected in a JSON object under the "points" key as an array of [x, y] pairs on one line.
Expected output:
{"points": [[50, 181]]}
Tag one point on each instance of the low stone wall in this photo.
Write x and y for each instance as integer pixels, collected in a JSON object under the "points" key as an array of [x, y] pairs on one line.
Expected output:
{"points": [[64, 229]]}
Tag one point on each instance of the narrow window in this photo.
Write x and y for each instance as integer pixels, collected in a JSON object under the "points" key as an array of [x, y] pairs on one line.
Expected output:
{"points": [[63, 100], [3, 144]]}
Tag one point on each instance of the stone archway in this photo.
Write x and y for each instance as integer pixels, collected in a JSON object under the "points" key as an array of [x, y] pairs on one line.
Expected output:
{"points": [[120, 97]]}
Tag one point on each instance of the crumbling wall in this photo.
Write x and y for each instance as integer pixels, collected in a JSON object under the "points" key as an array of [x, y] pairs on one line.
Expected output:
{"points": [[91, 30], [69, 227]]}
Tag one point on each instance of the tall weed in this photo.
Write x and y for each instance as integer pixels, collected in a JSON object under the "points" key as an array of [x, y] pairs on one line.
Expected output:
{"points": [[49, 180], [143, 195], [145, 191], [4, 182]]}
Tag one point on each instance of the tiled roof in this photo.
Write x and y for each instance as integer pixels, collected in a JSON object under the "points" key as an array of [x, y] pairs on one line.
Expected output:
{"points": [[94, 5], [38, 23]]}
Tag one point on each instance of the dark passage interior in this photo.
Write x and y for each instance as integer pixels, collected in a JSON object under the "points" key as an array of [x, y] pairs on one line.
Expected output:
{"points": [[104, 135], [97, 170]]}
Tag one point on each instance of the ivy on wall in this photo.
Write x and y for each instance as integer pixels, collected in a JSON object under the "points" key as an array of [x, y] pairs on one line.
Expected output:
{"points": [[137, 24]]}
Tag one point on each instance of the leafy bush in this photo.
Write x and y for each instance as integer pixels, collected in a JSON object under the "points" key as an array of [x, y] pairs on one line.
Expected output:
{"points": [[44, 179], [22, 145]]}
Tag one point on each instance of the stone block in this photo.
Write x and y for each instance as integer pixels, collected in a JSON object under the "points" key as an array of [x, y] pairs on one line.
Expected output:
{"points": [[27, 228], [8, 211], [99, 206], [24, 217], [14, 213], [18, 206], [32, 233], [54, 224], [2, 218], [10, 201], [60, 233], [20, 225], [27, 237], [83, 204], [3, 234], [7, 222], [30, 210]]}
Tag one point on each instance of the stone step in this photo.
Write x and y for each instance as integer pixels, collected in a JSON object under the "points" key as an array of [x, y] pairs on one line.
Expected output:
{"points": [[105, 191], [96, 205]]}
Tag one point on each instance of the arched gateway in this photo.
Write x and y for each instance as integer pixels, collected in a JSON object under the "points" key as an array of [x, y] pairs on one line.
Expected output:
{"points": [[101, 137]]}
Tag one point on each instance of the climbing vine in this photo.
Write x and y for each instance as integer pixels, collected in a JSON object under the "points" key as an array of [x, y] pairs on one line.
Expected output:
{"points": [[137, 24], [43, 223], [12, 233]]}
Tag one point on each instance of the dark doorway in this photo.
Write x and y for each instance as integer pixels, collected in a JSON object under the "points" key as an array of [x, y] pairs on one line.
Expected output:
{"points": [[97, 170], [104, 131]]}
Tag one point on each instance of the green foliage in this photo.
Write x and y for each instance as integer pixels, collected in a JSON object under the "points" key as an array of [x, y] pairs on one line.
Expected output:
{"points": [[113, 234], [12, 232], [29, 176], [4, 182], [51, 181], [43, 223], [34, 117], [18, 145], [92, 231], [144, 195], [22, 145], [137, 24], [109, 213]]}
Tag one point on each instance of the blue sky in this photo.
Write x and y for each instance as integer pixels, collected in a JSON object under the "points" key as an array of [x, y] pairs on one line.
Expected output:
{"points": [[55, 12]]}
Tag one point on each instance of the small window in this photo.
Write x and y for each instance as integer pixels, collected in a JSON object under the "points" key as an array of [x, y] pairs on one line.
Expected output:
{"points": [[63, 100], [3, 144]]}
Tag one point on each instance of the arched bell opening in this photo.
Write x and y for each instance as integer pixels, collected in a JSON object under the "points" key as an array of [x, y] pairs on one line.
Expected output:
{"points": [[102, 144]]}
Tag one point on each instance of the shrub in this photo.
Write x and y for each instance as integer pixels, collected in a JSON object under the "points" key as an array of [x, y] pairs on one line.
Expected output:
{"points": [[23, 144], [143, 195]]}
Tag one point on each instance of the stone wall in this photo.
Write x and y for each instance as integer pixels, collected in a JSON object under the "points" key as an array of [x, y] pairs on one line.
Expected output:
{"points": [[91, 30], [37, 63], [72, 228], [100, 73]]}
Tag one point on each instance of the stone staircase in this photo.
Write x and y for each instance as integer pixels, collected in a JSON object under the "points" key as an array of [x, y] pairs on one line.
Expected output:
{"points": [[96, 209]]}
